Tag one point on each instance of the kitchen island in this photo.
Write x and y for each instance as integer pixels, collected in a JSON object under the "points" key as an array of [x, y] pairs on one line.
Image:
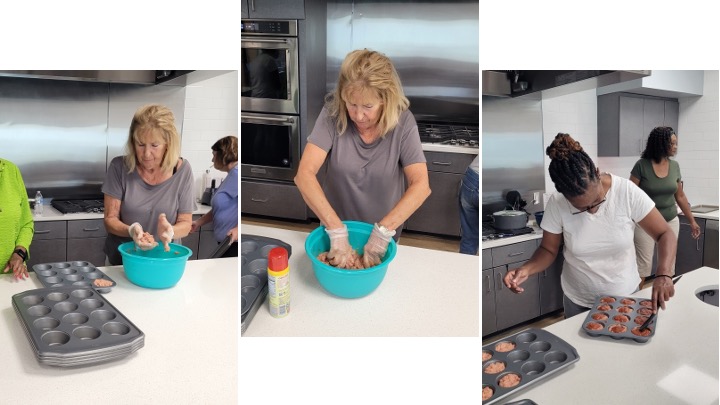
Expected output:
{"points": [[678, 365], [189, 356], [425, 293]]}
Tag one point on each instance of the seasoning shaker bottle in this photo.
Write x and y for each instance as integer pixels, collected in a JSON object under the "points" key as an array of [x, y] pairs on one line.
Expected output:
{"points": [[278, 273]]}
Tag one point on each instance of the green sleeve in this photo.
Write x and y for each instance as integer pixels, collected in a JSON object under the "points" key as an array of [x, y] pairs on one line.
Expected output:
{"points": [[26, 223], [637, 170]]}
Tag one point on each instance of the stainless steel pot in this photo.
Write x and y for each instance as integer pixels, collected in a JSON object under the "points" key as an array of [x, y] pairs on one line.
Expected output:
{"points": [[510, 219]]}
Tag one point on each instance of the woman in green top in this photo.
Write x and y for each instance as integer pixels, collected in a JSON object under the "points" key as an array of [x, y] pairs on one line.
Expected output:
{"points": [[16, 222], [659, 176]]}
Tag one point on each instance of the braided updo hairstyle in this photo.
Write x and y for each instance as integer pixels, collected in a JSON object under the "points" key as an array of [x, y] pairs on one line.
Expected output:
{"points": [[571, 169], [658, 144]]}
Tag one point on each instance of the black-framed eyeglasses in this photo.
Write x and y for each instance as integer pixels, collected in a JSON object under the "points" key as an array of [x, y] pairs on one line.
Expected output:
{"points": [[589, 207]]}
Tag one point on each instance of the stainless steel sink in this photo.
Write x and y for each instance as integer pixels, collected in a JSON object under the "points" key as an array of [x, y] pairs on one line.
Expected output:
{"points": [[709, 296], [703, 209]]}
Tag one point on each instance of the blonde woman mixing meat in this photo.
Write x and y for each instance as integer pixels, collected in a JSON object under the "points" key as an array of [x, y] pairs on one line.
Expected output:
{"points": [[371, 144]]}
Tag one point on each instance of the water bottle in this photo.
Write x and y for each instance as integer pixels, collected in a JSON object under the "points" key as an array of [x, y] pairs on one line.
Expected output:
{"points": [[38, 203]]}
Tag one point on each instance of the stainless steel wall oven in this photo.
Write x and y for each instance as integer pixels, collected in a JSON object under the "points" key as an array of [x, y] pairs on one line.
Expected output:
{"points": [[270, 146]]}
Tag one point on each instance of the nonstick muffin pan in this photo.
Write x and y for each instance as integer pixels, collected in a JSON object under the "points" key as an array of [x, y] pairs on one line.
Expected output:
{"points": [[75, 326], [617, 317], [253, 282], [528, 357], [76, 273]]}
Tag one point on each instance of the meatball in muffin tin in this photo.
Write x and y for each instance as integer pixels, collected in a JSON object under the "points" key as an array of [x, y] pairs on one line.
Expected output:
{"points": [[73, 274], [514, 362], [620, 318]]}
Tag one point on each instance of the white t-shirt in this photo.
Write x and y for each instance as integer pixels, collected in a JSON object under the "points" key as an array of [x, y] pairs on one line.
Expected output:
{"points": [[599, 249]]}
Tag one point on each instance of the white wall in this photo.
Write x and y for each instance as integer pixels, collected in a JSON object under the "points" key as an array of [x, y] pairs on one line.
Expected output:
{"points": [[211, 113], [698, 137]]}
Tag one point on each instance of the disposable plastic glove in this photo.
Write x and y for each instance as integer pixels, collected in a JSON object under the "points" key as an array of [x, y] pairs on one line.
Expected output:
{"points": [[142, 242], [166, 232], [376, 246], [341, 253]]}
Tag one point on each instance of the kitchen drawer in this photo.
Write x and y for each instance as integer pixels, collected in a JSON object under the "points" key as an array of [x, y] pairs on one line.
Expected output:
{"points": [[272, 199], [448, 162], [516, 252], [87, 249], [50, 230], [91, 228], [486, 259]]}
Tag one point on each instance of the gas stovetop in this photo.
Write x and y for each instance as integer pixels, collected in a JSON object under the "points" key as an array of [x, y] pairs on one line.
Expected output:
{"points": [[449, 134], [75, 206], [490, 233]]}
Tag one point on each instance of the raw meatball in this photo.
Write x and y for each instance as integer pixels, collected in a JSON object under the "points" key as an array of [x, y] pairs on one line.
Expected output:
{"points": [[636, 331], [604, 307], [101, 282], [494, 367], [486, 356], [607, 300], [504, 346], [646, 303], [147, 238], [487, 393], [599, 316], [645, 311], [640, 319], [594, 326], [621, 318], [618, 328], [625, 310], [509, 380]]}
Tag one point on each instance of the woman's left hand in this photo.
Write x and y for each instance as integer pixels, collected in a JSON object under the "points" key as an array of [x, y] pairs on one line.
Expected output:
{"points": [[662, 290], [695, 230], [165, 231], [234, 234], [18, 268]]}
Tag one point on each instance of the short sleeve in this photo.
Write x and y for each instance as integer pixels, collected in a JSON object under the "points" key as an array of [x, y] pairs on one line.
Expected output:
{"points": [[552, 220], [637, 170], [323, 132], [113, 185], [410, 148], [640, 203], [186, 199]]}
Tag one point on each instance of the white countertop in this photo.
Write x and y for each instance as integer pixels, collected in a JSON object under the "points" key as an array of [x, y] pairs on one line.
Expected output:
{"points": [[709, 215], [678, 365], [190, 352], [51, 214], [434, 147], [425, 293]]}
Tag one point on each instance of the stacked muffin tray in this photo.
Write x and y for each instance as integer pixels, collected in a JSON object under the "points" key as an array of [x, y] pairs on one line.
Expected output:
{"points": [[75, 326], [253, 282], [523, 359], [77, 273], [620, 318]]}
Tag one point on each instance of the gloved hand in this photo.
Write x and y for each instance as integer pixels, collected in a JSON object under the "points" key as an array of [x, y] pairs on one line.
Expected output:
{"points": [[142, 240], [165, 231], [341, 252], [376, 246]]}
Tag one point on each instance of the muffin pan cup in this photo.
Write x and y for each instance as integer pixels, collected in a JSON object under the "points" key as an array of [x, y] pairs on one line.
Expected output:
{"points": [[74, 273], [632, 311], [253, 282], [537, 355], [75, 326]]}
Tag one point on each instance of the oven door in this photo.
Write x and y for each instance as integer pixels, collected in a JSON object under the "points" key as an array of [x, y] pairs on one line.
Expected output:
{"points": [[270, 146], [269, 76]]}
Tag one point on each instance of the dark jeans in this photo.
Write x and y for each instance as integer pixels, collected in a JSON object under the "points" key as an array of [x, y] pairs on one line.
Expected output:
{"points": [[469, 216]]}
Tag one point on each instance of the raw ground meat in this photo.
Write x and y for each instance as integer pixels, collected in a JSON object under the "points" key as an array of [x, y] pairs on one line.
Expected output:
{"points": [[147, 238], [486, 356], [509, 380], [646, 303], [504, 346], [645, 311], [621, 318], [607, 299], [598, 316], [640, 319], [627, 301], [594, 326], [625, 310], [604, 307], [101, 282], [355, 262], [487, 393], [636, 331], [494, 368], [618, 328]]}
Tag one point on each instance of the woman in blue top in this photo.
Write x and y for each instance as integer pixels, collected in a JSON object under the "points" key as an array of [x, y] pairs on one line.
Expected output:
{"points": [[224, 212]]}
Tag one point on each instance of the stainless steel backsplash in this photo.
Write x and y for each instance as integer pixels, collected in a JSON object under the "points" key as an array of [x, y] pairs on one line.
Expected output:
{"points": [[433, 45], [63, 134]]}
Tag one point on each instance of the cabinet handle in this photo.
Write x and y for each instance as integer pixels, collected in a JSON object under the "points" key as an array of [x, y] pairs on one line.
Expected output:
{"points": [[498, 282], [544, 273], [442, 163], [489, 284], [253, 199], [91, 229], [252, 5], [42, 232], [697, 244], [516, 254]]}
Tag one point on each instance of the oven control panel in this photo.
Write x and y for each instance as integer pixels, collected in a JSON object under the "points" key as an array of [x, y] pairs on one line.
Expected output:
{"points": [[269, 27]]}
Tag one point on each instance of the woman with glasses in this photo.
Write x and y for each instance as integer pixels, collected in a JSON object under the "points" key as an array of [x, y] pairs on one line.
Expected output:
{"points": [[594, 215], [659, 176]]}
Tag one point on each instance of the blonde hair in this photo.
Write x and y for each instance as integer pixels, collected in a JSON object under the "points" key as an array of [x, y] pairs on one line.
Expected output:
{"points": [[156, 118], [368, 71]]}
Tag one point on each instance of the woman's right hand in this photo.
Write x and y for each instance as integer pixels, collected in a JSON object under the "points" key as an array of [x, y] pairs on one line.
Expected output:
{"points": [[514, 278], [142, 241], [341, 253], [195, 226]]}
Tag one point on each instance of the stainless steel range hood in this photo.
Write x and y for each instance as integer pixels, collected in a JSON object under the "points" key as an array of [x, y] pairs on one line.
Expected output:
{"points": [[552, 83], [150, 77]]}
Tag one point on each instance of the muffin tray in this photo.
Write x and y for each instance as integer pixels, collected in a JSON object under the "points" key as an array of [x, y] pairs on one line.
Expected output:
{"points": [[75, 326], [531, 355], [253, 282], [606, 312], [77, 273]]}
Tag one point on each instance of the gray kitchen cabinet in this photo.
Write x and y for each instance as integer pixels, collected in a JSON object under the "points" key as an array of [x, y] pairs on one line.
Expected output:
{"points": [[273, 199], [511, 308], [440, 213], [710, 250], [489, 322], [625, 121], [551, 293], [689, 250], [276, 9], [49, 244], [86, 239]]}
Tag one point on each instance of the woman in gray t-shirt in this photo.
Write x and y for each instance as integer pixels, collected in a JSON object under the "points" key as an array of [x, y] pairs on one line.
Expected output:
{"points": [[370, 142], [150, 188]]}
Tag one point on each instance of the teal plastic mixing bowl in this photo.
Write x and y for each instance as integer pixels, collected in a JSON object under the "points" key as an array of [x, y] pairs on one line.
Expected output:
{"points": [[154, 268], [341, 282]]}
